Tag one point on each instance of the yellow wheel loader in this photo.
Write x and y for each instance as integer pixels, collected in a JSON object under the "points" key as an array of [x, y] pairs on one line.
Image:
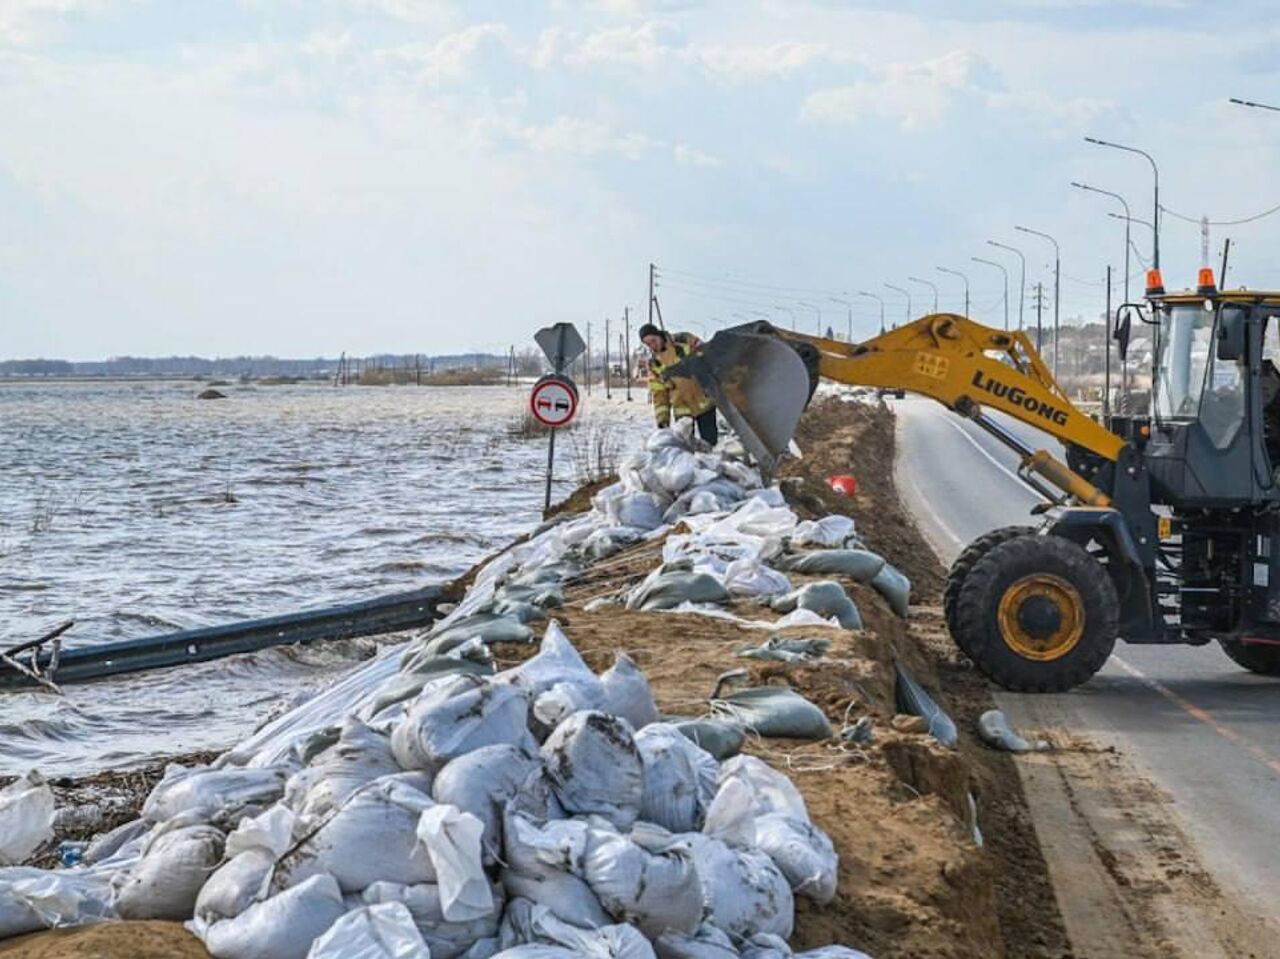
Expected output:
{"points": [[1159, 529]]}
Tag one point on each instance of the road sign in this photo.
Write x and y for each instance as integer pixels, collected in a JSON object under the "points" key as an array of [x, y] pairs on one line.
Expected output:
{"points": [[562, 344], [554, 400]]}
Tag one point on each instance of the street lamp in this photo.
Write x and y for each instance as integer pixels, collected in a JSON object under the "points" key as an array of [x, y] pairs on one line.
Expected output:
{"points": [[931, 285], [1155, 211], [1057, 286], [905, 293], [789, 310], [1022, 289], [947, 269], [1000, 267], [1258, 106], [878, 297], [817, 312], [849, 306], [1127, 218]]}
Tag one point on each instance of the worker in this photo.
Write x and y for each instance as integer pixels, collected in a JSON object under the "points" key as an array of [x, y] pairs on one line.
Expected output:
{"points": [[677, 396]]}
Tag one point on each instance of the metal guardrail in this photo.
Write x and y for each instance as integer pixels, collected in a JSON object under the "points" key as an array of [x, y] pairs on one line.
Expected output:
{"points": [[385, 614]]}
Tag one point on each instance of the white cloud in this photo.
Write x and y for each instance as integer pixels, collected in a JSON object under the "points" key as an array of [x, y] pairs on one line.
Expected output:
{"points": [[448, 58], [692, 156], [27, 22], [581, 137], [646, 45]]}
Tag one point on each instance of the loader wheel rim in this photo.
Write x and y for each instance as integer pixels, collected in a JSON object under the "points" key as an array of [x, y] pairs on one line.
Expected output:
{"points": [[1041, 617]]}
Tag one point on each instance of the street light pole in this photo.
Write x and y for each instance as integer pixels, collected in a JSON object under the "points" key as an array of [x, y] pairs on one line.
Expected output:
{"points": [[905, 293], [947, 269], [1057, 287], [880, 299], [1155, 212], [1000, 267], [1022, 287], [849, 307], [1257, 106], [817, 311], [931, 285], [1127, 219]]}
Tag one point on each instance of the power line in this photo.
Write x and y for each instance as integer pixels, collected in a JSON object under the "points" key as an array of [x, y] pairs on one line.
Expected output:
{"points": [[1197, 220], [734, 281]]}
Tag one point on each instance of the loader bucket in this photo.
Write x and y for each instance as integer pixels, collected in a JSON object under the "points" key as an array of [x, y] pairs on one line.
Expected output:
{"points": [[760, 385]]}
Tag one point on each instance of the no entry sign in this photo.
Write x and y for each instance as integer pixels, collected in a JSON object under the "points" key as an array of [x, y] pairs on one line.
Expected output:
{"points": [[554, 400]]}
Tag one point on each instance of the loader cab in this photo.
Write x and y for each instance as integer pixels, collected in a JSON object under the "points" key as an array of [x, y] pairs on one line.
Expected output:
{"points": [[1212, 442]]}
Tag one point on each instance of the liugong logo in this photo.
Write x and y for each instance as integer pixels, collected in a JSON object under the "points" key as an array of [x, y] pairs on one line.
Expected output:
{"points": [[1018, 396]]}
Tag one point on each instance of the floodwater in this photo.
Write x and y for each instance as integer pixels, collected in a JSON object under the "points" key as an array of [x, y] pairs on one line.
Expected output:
{"points": [[135, 509]]}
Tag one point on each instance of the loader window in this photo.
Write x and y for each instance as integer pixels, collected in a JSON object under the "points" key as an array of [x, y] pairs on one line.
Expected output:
{"points": [[1186, 335]]}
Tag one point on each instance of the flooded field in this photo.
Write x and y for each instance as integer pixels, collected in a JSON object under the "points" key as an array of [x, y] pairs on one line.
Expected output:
{"points": [[134, 509]]}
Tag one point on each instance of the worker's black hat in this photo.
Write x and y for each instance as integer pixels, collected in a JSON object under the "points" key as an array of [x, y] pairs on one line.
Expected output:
{"points": [[648, 329]]}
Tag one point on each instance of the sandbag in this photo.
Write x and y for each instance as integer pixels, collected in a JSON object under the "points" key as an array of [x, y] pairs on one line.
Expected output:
{"points": [[895, 588], [360, 755], [748, 576], [384, 931], [109, 844], [487, 627], [452, 841], [456, 715], [472, 657], [772, 791], [168, 878], [603, 543], [603, 942], [721, 738], [764, 945], [826, 532], [271, 830], [785, 649], [566, 698], [236, 885], [639, 510], [282, 927], [667, 590], [913, 699], [537, 950], [481, 782], [669, 470], [994, 730], [858, 564], [26, 817], [646, 879], [627, 693], [209, 793], [679, 778], [774, 711], [804, 854], [707, 942], [557, 661], [832, 952], [594, 767], [32, 899], [826, 598], [372, 837], [445, 939], [544, 865], [744, 892]]}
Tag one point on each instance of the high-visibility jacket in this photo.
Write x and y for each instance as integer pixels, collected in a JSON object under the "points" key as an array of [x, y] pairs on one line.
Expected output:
{"points": [[677, 395]]}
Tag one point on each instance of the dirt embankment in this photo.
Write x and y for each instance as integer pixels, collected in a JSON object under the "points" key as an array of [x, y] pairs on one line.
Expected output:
{"points": [[913, 882]]}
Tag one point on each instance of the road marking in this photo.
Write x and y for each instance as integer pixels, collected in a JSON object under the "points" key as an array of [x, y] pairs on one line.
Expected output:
{"points": [[1203, 715], [995, 462]]}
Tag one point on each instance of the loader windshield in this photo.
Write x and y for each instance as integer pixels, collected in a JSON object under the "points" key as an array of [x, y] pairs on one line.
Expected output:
{"points": [[1182, 354]]}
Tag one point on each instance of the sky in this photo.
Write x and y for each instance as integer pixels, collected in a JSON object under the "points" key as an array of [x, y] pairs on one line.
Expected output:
{"points": [[305, 177]]}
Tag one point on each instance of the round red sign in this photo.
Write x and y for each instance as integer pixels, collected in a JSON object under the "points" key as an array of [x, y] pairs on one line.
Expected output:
{"points": [[554, 400]]}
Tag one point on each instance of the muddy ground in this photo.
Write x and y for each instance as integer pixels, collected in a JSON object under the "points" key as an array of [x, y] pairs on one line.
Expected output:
{"points": [[913, 882]]}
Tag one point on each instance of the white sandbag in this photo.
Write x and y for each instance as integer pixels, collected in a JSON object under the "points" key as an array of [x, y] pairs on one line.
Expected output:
{"points": [[803, 852], [750, 577], [640, 510], [744, 892], [594, 767], [627, 693], [830, 531], [282, 927], [764, 945], [669, 588], [832, 952], [564, 699], [168, 878], [604, 942], [372, 837], [360, 755], [544, 865], [110, 844], [384, 931], [446, 940], [452, 841], [772, 791], [32, 899], [827, 598], [480, 783], [271, 830], [236, 885], [669, 470], [209, 793], [557, 661], [679, 778], [457, 715], [536, 950], [731, 817], [707, 942], [26, 817], [646, 879]]}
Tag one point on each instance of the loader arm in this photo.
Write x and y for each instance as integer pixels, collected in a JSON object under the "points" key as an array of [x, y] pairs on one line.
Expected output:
{"points": [[963, 365]]}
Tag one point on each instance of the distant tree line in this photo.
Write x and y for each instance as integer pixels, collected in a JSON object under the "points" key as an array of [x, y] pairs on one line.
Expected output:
{"points": [[235, 366]]}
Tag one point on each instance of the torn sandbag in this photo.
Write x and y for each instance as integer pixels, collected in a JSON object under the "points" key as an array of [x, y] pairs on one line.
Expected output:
{"points": [[480, 782], [32, 899], [665, 590], [207, 792], [786, 649], [721, 738], [627, 693], [994, 730], [826, 598], [803, 852], [859, 565], [168, 878], [26, 817], [830, 531], [282, 927], [679, 778], [914, 700], [384, 931], [646, 878], [594, 767], [456, 715], [773, 711], [445, 939]]}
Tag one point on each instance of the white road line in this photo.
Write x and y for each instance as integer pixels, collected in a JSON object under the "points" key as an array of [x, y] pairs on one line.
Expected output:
{"points": [[995, 462]]}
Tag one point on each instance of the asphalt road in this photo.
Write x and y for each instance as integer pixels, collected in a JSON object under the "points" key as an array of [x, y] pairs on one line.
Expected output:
{"points": [[1202, 729]]}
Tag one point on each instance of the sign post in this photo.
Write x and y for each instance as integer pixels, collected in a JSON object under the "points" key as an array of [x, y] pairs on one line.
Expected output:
{"points": [[554, 400]]}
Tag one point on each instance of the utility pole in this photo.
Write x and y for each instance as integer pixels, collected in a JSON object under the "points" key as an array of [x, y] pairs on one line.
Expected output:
{"points": [[1106, 336], [1040, 318], [626, 353], [587, 369], [607, 395], [653, 296]]}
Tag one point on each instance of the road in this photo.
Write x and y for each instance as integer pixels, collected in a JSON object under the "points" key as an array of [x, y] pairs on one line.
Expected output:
{"points": [[1173, 832]]}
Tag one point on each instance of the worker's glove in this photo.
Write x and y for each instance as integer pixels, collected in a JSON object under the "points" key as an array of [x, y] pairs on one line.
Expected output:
{"points": [[663, 422]]}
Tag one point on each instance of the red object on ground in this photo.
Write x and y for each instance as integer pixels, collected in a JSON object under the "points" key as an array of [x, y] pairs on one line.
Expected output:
{"points": [[844, 483]]}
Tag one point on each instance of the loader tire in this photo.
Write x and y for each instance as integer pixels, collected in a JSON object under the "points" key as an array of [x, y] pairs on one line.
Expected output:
{"points": [[1037, 614], [964, 564], [1263, 660]]}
